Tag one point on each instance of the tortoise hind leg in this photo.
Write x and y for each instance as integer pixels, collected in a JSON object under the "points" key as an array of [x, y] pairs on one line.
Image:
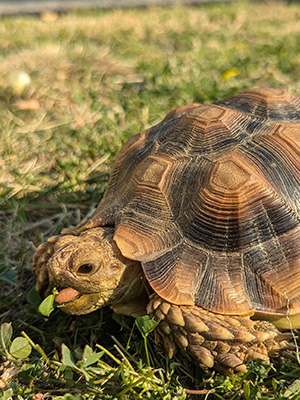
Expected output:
{"points": [[213, 340]]}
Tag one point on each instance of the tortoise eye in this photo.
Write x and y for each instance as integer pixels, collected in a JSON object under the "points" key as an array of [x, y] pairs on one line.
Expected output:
{"points": [[86, 268]]}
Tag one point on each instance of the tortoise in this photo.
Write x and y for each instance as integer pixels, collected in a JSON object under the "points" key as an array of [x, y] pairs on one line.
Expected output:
{"points": [[204, 207]]}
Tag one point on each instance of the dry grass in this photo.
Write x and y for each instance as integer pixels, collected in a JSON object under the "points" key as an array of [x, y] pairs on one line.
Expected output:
{"points": [[97, 78]]}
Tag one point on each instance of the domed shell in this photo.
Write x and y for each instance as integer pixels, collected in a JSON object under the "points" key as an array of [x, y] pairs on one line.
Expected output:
{"points": [[208, 201]]}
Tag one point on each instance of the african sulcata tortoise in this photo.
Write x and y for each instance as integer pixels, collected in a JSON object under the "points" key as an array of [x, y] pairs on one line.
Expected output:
{"points": [[205, 206]]}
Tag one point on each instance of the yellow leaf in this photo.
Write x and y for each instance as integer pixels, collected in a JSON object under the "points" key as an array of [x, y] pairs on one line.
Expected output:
{"points": [[229, 73]]}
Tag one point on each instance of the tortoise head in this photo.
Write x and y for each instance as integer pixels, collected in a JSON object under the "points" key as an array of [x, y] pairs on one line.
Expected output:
{"points": [[89, 269]]}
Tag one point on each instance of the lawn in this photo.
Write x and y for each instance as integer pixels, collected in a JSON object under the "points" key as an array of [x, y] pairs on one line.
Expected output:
{"points": [[73, 88]]}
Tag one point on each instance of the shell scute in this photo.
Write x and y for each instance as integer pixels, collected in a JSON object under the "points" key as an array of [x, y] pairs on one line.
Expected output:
{"points": [[229, 175], [152, 172]]}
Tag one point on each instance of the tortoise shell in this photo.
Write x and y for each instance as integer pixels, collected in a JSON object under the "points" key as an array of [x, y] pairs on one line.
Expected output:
{"points": [[208, 201]]}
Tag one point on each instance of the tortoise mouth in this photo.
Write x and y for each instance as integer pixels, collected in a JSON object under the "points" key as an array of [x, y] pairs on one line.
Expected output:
{"points": [[67, 295], [73, 302]]}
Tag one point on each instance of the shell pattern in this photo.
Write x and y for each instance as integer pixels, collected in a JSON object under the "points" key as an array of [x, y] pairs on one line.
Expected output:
{"points": [[208, 201]]}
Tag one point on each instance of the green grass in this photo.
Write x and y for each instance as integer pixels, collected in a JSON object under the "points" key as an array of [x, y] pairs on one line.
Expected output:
{"points": [[96, 79]]}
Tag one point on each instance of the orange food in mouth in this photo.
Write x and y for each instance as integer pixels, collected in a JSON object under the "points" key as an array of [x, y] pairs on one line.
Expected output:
{"points": [[66, 295]]}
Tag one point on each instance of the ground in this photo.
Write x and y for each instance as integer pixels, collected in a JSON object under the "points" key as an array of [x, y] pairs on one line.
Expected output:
{"points": [[73, 88]]}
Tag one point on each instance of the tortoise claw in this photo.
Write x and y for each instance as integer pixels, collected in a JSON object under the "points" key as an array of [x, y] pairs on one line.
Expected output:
{"points": [[202, 355], [287, 354], [230, 361], [289, 347], [281, 337]]}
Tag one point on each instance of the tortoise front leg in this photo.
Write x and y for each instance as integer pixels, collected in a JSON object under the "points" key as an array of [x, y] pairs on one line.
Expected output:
{"points": [[224, 342], [41, 257]]}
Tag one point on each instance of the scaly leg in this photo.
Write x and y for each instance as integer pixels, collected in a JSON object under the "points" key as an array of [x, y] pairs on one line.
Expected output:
{"points": [[224, 342]]}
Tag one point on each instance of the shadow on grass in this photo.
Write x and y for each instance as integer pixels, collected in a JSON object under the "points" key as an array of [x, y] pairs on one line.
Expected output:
{"points": [[25, 223]]}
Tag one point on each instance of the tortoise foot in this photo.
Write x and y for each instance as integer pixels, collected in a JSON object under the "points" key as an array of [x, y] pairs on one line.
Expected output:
{"points": [[224, 342]]}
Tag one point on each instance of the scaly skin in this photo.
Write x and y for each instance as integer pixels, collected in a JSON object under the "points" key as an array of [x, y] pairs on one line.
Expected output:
{"points": [[214, 340], [91, 263]]}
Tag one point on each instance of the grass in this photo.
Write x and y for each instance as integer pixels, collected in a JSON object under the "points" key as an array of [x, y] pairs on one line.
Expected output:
{"points": [[96, 79]]}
